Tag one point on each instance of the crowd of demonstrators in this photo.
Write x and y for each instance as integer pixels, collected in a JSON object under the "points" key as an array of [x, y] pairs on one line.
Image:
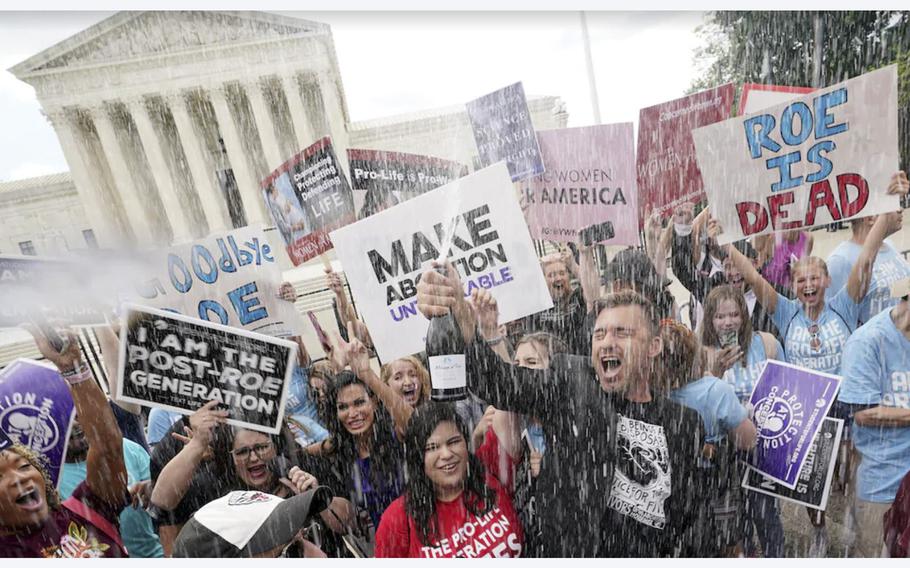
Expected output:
{"points": [[602, 427]]}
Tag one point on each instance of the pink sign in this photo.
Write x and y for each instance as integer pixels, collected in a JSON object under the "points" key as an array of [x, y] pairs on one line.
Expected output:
{"points": [[590, 179], [668, 173]]}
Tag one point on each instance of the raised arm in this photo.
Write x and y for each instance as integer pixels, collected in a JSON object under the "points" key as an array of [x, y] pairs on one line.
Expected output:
{"points": [[764, 291], [588, 276], [110, 353], [487, 313], [345, 309], [105, 469]]}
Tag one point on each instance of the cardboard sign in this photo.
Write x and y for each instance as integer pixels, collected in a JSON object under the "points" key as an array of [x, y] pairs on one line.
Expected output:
{"points": [[37, 410], [757, 97], [30, 284], [376, 174], [179, 363], [790, 404], [814, 482], [384, 255], [590, 179], [668, 173], [231, 278], [503, 131], [824, 157], [307, 197]]}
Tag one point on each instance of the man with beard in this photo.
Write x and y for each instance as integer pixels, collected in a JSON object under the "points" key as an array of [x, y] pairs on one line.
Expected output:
{"points": [[136, 527], [620, 477]]}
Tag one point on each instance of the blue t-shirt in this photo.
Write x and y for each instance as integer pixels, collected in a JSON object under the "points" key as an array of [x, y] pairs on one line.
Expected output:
{"points": [[889, 267], [743, 379], [716, 402], [160, 421], [136, 526], [877, 372], [835, 324]]}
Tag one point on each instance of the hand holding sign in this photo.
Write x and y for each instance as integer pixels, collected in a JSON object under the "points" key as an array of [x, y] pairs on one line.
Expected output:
{"points": [[899, 184], [204, 421]]}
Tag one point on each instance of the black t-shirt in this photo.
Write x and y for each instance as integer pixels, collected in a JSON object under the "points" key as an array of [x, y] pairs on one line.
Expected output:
{"points": [[567, 322]]}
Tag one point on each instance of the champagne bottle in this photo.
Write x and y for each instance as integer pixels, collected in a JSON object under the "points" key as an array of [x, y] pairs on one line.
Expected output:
{"points": [[445, 354]]}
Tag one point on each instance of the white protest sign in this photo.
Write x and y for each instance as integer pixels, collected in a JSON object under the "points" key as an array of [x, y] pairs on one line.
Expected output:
{"points": [[231, 278], [826, 156], [384, 255]]}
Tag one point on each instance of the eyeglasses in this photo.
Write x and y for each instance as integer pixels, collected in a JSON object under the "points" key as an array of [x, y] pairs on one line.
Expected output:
{"points": [[244, 453], [815, 343]]}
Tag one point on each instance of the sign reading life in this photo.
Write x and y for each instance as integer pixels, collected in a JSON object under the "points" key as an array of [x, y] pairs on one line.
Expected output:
{"points": [[772, 138]]}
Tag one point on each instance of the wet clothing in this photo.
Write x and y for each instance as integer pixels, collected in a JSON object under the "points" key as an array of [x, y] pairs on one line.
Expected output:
{"points": [[496, 534], [565, 322], [889, 267], [716, 403], [575, 489], [130, 426], [777, 270], [159, 422], [65, 534], [374, 498], [136, 527], [743, 379]]}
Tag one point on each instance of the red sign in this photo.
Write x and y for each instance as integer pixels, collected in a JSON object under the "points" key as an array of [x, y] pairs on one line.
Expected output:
{"points": [[757, 97]]}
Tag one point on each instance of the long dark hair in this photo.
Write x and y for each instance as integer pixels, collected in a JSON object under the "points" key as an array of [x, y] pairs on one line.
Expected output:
{"points": [[420, 496], [386, 453]]}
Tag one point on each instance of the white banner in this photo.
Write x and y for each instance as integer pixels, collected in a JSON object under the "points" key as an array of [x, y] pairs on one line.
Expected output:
{"points": [[384, 255], [823, 157]]}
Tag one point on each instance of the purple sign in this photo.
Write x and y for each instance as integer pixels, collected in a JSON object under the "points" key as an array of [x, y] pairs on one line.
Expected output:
{"points": [[37, 410], [790, 404]]}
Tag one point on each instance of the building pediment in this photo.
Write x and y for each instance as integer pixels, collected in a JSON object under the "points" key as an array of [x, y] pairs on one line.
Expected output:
{"points": [[128, 36]]}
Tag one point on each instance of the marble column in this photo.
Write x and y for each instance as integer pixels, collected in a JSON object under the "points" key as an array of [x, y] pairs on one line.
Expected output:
{"points": [[177, 214], [214, 205], [246, 182], [302, 127], [98, 212], [334, 115], [268, 134], [122, 176]]}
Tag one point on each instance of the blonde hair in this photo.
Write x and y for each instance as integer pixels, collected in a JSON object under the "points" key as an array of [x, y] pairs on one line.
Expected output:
{"points": [[422, 375], [806, 261]]}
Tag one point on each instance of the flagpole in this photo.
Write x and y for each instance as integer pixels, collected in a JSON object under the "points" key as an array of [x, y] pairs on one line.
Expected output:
{"points": [[592, 83]]}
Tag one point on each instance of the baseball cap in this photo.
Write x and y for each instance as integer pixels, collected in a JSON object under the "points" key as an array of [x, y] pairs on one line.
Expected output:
{"points": [[246, 523], [633, 265]]}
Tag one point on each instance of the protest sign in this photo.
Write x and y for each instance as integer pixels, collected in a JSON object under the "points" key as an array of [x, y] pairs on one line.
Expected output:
{"points": [[307, 197], [37, 410], [377, 174], [384, 255], [503, 131], [790, 403], [668, 173], [179, 363], [30, 285], [590, 179], [814, 482], [824, 157], [757, 97], [230, 278]]}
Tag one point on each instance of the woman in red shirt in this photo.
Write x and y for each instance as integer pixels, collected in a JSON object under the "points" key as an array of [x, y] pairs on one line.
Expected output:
{"points": [[452, 507]]}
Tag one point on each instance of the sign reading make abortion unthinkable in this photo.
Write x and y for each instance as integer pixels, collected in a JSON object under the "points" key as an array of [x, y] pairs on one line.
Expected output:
{"points": [[37, 410], [179, 363], [503, 131], [814, 483], [790, 404], [230, 278], [668, 173], [384, 255], [590, 179], [823, 157], [307, 197]]}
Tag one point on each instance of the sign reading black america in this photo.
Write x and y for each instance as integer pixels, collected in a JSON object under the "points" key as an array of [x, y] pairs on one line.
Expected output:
{"points": [[503, 131], [180, 363]]}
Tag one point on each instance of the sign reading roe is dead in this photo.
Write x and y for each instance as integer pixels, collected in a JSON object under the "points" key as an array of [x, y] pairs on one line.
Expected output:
{"points": [[824, 157]]}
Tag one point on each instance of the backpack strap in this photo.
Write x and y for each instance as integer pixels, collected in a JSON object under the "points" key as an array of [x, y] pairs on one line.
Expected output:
{"points": [[91, 516]]}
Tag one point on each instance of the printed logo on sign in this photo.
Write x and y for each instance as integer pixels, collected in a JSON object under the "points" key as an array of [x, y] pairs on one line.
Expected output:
{"points": [[248, 498], [778, 417], [28, 423]]}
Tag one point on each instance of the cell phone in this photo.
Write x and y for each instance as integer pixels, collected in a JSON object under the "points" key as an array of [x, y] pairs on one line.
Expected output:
{"points": [[729, 338], [596, 233], [320, 333], [58, 343]]}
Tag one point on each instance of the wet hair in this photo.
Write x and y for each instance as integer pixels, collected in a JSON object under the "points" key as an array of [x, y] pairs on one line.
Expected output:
{"points": [[629, 298], [546, 344], [709, 335], [806, 261], [679, 356], [422, 375], [386, 453], [39, 462], [420, 495]]}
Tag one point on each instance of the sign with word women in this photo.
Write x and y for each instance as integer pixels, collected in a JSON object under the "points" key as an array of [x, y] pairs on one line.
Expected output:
{"points": [[826, 156], [384, 255], [590, 179], [230, 278], [180, 364]]}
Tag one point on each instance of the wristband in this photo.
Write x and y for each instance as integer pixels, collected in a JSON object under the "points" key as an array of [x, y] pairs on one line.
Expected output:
{"points": [[79, 373]]}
